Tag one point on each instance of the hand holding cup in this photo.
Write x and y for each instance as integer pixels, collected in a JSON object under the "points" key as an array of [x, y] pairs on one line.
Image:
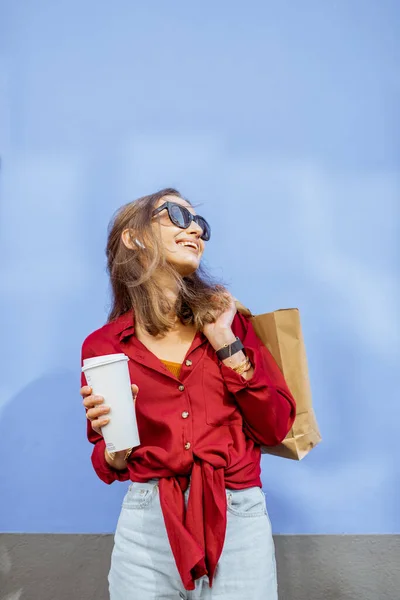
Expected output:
{"points": [[96, 410]]}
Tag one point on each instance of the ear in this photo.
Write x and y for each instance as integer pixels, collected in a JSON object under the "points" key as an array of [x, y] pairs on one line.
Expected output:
{"points": [[126, 238], [129, 243]]}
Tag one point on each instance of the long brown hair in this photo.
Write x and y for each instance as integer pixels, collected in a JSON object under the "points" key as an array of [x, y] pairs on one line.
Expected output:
{"points": [[131, 271]]}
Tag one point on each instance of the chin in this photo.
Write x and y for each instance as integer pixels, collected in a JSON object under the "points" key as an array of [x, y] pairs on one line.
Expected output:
{"points": [[187, 268]]}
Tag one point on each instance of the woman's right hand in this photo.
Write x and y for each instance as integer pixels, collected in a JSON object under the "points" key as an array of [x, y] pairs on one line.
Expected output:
{"points": [[96, 410]]}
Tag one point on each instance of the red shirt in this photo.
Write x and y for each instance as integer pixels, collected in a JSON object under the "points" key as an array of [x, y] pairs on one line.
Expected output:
{"points": [[207, 426]]}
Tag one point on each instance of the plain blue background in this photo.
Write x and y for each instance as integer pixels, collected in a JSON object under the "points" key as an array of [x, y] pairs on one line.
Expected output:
{"points": [[281, 120]]}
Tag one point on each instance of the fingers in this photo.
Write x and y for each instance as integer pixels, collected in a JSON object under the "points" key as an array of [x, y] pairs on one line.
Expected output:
{"points": [[135, 391], [97, 424], [85, 391], [91, 401], [98, 412]]}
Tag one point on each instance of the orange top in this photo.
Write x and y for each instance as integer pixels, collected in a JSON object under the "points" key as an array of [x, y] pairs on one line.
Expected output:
{"points": [[174, 367]]}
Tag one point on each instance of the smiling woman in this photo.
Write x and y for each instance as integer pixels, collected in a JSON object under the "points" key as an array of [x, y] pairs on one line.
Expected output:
{"points": [[207, 395]]}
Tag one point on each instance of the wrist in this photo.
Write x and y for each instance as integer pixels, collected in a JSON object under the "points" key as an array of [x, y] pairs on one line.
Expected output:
{"points": [[221, 337], [116, 460]]}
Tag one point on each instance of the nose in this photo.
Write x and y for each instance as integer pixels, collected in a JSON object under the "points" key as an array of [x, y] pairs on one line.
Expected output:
{"points": [[194, 229]]}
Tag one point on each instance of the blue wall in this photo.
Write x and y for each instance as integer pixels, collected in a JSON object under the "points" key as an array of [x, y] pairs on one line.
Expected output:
{"points": [[281, 119]]}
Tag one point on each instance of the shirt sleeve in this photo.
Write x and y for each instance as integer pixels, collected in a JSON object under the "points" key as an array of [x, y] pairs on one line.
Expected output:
{"points": [[100, 465], [267, 406]]}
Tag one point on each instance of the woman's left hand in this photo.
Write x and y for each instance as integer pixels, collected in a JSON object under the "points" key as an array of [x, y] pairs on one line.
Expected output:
{"points": [[220, 332]]}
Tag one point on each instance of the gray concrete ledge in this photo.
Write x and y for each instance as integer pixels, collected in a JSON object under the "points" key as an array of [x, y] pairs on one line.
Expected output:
{"points": [[310, 567]]}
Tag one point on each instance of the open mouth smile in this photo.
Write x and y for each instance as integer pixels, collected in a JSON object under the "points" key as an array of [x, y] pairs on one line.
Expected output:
{"points": [[189, 244]]}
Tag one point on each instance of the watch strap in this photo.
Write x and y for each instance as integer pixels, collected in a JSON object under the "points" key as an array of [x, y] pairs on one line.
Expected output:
{"points": [[229, 349]]}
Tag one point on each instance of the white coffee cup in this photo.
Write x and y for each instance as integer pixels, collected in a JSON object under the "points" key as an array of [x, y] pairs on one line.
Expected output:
{"points": [[108, 376]]}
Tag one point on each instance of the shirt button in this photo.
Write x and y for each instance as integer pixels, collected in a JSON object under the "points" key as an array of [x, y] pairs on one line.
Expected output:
{"points": [[187, 446], [181, 388], [185, 415], [188, 363]]}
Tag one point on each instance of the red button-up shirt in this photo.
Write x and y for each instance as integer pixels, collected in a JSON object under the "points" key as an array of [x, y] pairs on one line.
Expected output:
{"points": [[206, 426]]}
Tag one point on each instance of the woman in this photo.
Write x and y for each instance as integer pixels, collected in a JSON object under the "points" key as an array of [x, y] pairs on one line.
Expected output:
{"points": [[194, 522]]}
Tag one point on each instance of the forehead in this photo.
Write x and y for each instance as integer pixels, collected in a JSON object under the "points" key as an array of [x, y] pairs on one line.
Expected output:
{"points": [[176, 200]]}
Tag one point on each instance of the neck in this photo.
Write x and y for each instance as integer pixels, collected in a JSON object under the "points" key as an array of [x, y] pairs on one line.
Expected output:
{"points": [[170, 289], [171, 293], [169, 286]]}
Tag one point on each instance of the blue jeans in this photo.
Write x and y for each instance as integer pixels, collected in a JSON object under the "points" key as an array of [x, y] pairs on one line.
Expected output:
{"points": [[143, 566]]}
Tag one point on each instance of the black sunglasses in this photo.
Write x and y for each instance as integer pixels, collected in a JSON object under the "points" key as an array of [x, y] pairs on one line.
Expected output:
{"points": [[182, 217]]}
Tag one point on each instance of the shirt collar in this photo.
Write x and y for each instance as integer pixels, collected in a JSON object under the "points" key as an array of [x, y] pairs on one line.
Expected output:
{"points": [[125, 325]]}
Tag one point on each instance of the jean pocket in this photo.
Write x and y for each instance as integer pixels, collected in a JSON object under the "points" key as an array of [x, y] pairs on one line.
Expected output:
{"points": [[139, 495], [249, 502]]}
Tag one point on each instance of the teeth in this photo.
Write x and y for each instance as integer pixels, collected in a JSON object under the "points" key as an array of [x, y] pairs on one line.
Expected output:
{"points": [[190, 244]]}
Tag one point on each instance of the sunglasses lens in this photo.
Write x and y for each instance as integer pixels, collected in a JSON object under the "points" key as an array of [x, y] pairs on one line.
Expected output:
{"points": [[205, 227], [180, 216]]}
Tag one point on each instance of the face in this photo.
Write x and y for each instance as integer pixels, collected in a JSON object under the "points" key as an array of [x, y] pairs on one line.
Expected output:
{"points": [[183, 247]]}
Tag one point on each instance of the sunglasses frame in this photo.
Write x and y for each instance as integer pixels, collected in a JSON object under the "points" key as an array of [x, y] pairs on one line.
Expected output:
{"points": [[168, 206]]}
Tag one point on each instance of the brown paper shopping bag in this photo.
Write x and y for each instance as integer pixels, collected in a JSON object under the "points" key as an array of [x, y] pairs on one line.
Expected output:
{"points": [[280, 331]]}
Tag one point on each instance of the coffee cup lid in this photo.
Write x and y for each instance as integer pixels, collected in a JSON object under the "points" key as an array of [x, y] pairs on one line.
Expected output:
{"points": [[99, 361]]}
